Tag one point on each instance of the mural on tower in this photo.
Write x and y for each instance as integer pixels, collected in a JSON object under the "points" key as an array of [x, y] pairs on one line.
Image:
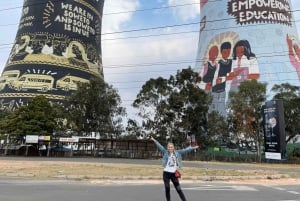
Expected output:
{"points": [[246, 39], [58, 44]]}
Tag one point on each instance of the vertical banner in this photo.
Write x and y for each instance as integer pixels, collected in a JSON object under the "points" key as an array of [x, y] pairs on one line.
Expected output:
{"points": [[58, 44], [274, 130], [243, 40]]}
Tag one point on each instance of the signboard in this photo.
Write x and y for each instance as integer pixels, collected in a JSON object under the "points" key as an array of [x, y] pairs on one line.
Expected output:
{"points": [[44, 138], [274, 133], [32, 139], [67, 139]]}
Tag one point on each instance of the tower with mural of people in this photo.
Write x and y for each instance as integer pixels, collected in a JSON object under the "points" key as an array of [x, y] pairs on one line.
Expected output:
{"points": [[57, 45], [243, 40]]}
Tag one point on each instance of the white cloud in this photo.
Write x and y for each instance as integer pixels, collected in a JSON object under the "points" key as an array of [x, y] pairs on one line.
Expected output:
{"points": [[123, 59], [186, 12], [113, 17], [162, 49], [149, 50]]}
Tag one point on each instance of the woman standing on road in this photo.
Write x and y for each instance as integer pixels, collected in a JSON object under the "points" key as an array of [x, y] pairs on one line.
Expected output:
{"points": [[172, 159]]}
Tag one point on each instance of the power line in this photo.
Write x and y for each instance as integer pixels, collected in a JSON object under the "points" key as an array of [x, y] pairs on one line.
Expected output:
{"points": [[114, 13], [160, 63], [142, 29], [151, 35], [191, 61], [150, 9], [162, 27], [262, 74]]}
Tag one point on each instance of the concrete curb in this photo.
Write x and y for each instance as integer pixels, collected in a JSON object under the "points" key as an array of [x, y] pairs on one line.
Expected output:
{"points": [[195, 178], [144, 178]]}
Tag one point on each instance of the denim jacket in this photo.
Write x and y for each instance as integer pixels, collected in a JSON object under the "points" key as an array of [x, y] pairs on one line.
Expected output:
{"points": [[178, 154]]}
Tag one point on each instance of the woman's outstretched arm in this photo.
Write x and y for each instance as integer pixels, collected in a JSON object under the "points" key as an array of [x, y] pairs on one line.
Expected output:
{"points": [[159, 146]]}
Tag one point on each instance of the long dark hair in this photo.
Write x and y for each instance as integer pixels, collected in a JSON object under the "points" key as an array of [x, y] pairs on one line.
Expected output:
{"points": [[247, 49]]}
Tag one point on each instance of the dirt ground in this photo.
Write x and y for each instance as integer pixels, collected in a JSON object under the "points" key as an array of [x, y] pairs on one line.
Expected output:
{"points": [[128, 173]]}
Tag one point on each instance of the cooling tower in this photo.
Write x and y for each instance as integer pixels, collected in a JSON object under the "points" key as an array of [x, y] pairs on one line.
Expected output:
{"points": [[246, 39], [57, 45]]}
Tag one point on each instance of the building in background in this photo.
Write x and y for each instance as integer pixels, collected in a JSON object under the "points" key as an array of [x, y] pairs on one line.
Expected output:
{"points": [[58, 44], [244, 40]]}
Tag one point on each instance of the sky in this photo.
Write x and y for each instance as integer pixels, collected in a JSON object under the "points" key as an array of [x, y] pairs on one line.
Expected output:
{"points": [[141, 39]]}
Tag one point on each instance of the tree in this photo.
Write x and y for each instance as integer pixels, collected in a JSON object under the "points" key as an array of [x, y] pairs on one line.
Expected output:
{"points": [[291, 102], [95, 107], [151, 99], [173, 107], [4, 118], [38, 117], [61, 114], [245, 115], [133, 130], [189, 104], [216, 127]]}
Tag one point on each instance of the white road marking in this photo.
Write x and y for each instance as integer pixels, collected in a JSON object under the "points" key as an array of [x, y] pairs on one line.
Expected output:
{"points": [[279, 188], [288, 200], [294, 192], [220, 188]]}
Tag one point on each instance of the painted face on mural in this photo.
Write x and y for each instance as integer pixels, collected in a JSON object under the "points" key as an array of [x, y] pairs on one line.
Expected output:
{"points": [[76, 51], [225, 53], [59, 47], [213, 53], [240, 51], [37, 46]]}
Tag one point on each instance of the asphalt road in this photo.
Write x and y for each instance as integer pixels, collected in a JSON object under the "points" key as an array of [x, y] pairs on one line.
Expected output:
{"points": [[65, 190], [32, 190]]}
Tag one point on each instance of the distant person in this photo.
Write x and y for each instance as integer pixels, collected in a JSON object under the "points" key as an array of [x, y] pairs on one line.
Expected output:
{"points": [[171, 161]]}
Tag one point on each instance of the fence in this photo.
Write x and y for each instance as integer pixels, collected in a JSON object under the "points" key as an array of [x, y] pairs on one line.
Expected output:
{"points": [[137, 149]]}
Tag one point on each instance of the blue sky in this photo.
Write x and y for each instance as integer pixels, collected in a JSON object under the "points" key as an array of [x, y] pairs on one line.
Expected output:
{"points": [[130, 62]]}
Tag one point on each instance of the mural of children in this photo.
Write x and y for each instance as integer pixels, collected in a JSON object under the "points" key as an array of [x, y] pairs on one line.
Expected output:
{"points": [[209, 69], [219, 84], [244, 65], [294, 53]]}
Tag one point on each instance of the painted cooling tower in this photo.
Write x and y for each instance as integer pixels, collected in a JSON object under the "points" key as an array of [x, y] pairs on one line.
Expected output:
{"points": [[246, 39], [58, 44]]}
